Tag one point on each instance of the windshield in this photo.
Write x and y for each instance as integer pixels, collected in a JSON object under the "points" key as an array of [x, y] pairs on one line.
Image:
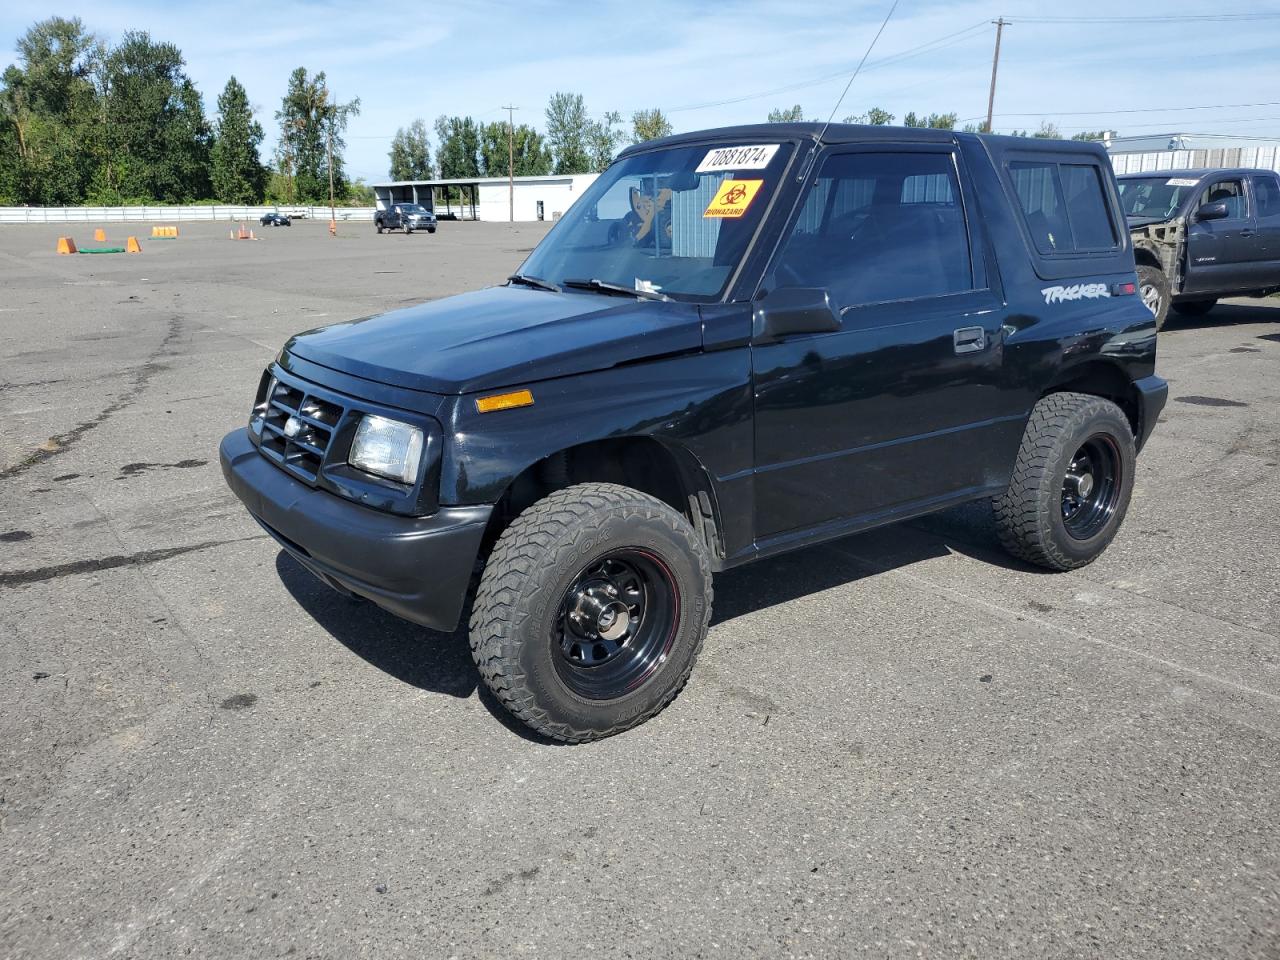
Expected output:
{"points": [[1155, 197], [411, 208], [674, 221]]}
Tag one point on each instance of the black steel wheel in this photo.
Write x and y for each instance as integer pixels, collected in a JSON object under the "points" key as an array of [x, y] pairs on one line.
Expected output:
{"points": [[1071, 483], [616, 623], [591, 611], [1091, 487]]}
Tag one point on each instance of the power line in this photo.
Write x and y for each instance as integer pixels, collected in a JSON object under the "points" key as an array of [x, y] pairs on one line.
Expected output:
{"points": [[1102, 113], [930, 46], [858, 68], [1190, 18]]}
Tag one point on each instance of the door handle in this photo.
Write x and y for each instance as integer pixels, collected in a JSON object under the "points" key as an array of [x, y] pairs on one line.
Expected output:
{"points": [[1246, 232], [969, 340]]}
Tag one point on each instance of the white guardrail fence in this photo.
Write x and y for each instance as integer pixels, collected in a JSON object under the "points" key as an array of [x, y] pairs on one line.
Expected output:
{"points": [[171, 213]]}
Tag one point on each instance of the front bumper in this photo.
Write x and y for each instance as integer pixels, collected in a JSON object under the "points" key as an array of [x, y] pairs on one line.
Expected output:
{"points": [[416, 567], [1153, 392]]}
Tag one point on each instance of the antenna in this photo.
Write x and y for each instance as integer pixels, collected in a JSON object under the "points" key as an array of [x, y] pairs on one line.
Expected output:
{"points": [[857, 70]]}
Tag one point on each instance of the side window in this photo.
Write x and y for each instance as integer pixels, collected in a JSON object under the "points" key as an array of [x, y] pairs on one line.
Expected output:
{"points": [[1064, 206], [877, 227], [1087, 207], [1230, 192], [1267, 190]]}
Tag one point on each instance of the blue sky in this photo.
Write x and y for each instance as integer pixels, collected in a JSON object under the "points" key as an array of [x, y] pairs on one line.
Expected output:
{"points": [[407, 60]]}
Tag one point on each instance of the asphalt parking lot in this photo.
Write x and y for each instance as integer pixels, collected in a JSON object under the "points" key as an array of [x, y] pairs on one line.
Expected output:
{"points": [[901, 744]]}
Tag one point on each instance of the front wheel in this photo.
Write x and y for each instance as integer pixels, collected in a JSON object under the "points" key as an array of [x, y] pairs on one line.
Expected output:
{"points": [[1071, 483], [1194, 308], [377, 225], [1153, 285], [591, 611], [407, 229]]}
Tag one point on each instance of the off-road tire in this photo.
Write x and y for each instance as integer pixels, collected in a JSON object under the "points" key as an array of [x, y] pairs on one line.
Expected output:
{"points": [[1153, 279], [406, 228], [1029, 515], [1194, 308], [525, 580]]}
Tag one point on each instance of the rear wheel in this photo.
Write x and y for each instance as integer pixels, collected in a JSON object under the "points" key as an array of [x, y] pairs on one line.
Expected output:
{"points": [[1194, 308], [1154, 288], [591, 611], [1071, 483]]}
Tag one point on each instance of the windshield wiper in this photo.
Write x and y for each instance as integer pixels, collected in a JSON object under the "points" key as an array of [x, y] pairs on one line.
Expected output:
{"points": [[604, 286], [535, 282]]}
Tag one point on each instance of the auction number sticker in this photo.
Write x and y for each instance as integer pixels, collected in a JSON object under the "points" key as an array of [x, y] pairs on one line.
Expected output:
{"points": [[733, 198], [1181, 182], [755, 157]]}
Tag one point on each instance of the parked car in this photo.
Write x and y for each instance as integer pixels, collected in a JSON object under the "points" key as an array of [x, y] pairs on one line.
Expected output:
{"points": [[275, 219], [405, 216], [736, 343], [1199, 235]]}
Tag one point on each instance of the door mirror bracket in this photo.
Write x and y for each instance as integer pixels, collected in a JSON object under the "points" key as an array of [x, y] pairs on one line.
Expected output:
{"points": [[794, 310]]}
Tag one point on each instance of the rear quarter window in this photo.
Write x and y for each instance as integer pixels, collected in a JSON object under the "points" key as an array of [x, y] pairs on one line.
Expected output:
{"points": [[1064, 206]]}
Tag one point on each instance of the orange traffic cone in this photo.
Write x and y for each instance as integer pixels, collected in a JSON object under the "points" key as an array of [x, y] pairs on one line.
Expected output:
{"points": [[66, 245], [100, 235], [133, 246]]}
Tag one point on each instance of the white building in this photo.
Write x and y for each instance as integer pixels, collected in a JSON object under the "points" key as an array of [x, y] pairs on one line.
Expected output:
{"points": [[489, 198], [1183, 151]]}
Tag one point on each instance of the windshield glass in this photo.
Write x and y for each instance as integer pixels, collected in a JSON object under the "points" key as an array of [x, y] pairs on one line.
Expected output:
{"points": [[674, 221], [411, 208], [1155, 197]]}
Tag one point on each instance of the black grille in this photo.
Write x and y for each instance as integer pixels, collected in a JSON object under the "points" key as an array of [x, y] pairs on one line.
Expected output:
{"points": [[317, 420]]}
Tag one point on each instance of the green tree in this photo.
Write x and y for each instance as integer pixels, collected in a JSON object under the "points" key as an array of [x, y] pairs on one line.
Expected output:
{"points": [[459, 150], [1047, 131], [791, 115], [238, 175], [649, 125], [310, 119], [875, 117], [604, 137], [569, 133], [530, 154], [411, 153], [940, 121], [359, 194], [1093, 135], [50, 124], [156, 138]]}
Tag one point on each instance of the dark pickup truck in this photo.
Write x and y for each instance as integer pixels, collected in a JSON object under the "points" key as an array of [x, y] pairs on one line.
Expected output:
{"points": [[736, 343], [1199, 235], [405, 216]]}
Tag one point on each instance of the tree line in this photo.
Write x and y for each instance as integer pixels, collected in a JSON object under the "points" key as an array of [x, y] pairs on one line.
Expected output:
{"points": [[574, 142], [879, 117], [84, 121]]}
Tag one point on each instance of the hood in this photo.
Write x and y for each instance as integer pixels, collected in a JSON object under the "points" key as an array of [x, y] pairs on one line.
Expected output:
{"points": [[499, 337]]}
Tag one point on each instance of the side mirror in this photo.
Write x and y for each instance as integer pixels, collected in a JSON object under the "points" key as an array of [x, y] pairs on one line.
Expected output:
{"points": [[1212, 211], [790, 310]]}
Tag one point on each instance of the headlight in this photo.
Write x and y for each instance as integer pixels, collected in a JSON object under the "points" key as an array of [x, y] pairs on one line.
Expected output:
{"points": [[387, 448]]}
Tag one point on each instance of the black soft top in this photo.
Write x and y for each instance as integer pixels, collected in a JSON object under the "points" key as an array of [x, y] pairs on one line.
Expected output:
{"points": [[838, 133]]}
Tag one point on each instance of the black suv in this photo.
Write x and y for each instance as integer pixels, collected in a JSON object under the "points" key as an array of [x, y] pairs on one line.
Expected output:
{"points": [[405, 216], [1203, 234], [736, 343]]}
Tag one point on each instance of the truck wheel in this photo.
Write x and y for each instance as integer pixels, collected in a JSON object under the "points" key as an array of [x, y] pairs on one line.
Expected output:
{"points": [[407, 229], [1154, 288], [1194, 308], [377, 225], [591, 611], [1071, 483]]}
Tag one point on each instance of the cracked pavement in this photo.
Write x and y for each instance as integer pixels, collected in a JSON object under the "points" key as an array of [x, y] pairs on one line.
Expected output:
{"points": [[900, 744]]}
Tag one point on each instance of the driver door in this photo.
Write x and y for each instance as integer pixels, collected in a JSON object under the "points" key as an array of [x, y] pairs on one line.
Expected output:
{"points": [[900, 409], [1221, 254]]}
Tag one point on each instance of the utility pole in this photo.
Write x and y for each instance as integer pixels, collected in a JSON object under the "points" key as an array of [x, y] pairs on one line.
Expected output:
{"points": [[995, 65], [511, 163], [330, 114]]}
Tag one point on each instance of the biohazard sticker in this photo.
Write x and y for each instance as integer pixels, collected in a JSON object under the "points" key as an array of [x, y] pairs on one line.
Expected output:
{"points": [[755, 157], [733, 198]]}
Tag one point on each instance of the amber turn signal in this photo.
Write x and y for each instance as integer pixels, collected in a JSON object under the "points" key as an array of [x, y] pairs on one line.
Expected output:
{"points": [[505, 401]]}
